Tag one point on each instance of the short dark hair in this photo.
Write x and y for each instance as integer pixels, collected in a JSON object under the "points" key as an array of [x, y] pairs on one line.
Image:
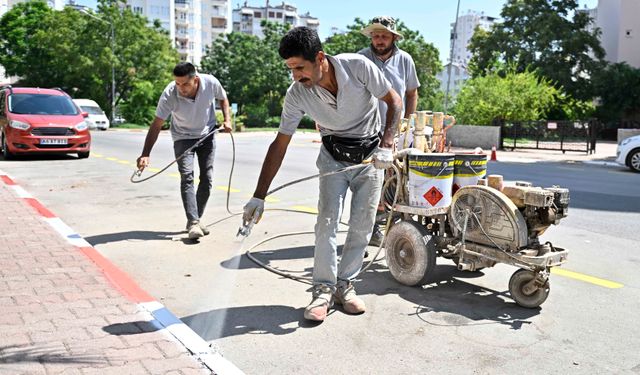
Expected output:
{"points": [[184, 69], [300, 41]]}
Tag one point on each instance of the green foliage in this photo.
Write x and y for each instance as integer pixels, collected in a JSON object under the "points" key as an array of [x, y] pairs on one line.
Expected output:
{"points": [[539, 35], [75, 51], [140, 107], [424, 54], [257, 114], [618, 87], [516, 96], [250, 68]]}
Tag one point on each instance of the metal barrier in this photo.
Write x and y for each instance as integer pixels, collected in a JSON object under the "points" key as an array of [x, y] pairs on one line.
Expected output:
{"points": [[564, 136]]}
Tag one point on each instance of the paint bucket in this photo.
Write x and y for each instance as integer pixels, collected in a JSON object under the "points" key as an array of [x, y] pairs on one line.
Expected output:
{"points": [[468, 169], [430, 179]]}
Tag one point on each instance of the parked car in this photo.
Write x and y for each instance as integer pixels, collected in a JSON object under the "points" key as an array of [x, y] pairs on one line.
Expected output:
{"points": [[628, 153], [97, 118], [35, 120]]}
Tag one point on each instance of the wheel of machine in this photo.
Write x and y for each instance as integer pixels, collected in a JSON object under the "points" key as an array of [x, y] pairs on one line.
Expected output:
{"points": [[633, 160], [411, 253], [518, 280]]}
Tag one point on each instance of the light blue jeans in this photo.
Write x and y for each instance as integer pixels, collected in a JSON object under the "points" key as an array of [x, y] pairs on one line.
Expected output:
{"points": [[365, 185]]}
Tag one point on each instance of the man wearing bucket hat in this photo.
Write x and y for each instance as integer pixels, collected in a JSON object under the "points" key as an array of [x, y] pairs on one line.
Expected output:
{"points": [[398, 67], [341, 92]]}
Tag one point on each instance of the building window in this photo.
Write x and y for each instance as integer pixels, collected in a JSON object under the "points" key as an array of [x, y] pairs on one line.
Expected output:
{"points": [[137, 10], [217, 22], [257, 14], [271, 14], [279, 15]]}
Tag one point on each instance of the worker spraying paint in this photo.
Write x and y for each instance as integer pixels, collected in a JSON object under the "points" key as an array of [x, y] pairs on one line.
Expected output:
{"points": [[340, 93]]}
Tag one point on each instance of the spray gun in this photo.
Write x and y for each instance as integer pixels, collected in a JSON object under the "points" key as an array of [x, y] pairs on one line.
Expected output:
{"points": [[245, 229]]}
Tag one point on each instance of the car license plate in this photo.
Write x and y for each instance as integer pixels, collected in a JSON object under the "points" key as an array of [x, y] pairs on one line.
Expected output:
{"points": [[53, 141]]}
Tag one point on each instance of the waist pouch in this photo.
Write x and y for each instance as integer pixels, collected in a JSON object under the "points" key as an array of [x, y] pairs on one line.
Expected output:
{"points": [[352, 150]]}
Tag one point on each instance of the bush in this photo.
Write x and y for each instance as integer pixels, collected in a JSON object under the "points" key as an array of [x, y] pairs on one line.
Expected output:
{"points": [[257, 115], [307, 123]]}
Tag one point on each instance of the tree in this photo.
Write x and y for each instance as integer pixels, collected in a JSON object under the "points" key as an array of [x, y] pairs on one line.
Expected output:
{"points": [[68, 49], [250, 70], [424, 54], [618, 87], [514, 97], [539, 35]]}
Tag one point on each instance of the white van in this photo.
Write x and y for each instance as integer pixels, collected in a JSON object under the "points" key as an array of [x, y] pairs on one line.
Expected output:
{"points": [[97, 118]]}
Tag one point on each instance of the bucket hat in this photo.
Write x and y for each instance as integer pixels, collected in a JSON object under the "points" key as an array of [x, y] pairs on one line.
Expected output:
{"points": [[381, 23]]}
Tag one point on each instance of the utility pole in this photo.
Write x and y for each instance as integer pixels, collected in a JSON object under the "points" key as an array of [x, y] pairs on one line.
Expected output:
{"points": [[454, 36], [113, 53]]}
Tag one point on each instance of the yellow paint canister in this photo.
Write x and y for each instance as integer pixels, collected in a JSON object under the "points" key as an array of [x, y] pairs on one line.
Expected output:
{"points": [[430, 179], [468, 169]]}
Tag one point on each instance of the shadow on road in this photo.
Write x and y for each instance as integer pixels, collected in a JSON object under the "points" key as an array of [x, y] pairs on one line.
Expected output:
{"points": [[136, 235], [450, 301], [253, 320]]}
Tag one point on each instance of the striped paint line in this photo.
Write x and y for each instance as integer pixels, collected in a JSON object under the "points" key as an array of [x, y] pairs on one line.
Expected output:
{"points": [[163, 318]]}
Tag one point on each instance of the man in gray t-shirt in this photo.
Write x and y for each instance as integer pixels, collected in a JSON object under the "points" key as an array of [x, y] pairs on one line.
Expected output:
{"points": [[341, 93], [190, 101], [398, 67]]}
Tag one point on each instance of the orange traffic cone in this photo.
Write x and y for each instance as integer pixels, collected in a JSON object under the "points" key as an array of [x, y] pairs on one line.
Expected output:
{"points": [[493, 154]]}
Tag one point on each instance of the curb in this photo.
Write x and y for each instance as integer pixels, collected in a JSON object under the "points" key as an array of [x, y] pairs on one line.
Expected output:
{"points": [[164, 318]]}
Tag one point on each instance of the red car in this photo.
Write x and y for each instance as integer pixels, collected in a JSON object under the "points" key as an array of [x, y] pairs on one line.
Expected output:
{"points": [[34, 120]]}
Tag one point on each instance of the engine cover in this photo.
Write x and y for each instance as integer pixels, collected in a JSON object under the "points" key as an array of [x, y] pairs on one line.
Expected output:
{"points": [[493, 219]]}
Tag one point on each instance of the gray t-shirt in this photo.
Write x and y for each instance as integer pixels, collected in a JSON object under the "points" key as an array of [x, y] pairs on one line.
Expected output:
{"points": [[400, 70], [353, 113], [191, 118]]}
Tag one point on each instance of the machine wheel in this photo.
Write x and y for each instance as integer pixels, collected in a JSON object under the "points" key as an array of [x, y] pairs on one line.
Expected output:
{"points": [[83, 155], [6, 154], [518, 280], [411, 253], [633, 160]]}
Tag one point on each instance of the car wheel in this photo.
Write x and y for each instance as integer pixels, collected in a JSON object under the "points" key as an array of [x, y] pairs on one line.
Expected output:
{"points": [[633, 160], [83, 155], [6, 154]]}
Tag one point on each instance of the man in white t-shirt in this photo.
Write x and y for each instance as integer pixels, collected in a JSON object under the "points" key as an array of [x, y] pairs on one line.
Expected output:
{"points": [[190, 101], [398, 67], [341, 93]]}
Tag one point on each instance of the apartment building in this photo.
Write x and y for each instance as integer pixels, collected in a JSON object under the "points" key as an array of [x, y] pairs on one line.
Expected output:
{"points": [[461, 35], [620, 25], [247, 18], [192, 24]]}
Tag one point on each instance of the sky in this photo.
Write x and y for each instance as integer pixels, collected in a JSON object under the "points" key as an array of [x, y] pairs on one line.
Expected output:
{"points": [[432, 18]]}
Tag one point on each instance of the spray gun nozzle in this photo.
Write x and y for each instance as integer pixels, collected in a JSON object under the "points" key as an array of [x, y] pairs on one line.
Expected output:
{"points": [[245, 229]]}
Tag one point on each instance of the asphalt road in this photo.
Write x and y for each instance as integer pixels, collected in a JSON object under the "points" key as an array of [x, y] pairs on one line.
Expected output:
{"points": [[462, 323]]}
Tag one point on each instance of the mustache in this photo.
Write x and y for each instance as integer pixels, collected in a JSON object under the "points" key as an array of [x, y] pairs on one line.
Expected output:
{"points": [[303, 80]]}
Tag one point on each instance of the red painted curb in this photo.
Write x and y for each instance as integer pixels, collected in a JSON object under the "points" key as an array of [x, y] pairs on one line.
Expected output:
{"points": [[117, 277], [42, 210], [7, 180]]}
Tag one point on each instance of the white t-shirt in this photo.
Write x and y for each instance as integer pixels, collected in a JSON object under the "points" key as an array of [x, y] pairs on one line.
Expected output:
{"points": [[191, 118], [353, 113]]}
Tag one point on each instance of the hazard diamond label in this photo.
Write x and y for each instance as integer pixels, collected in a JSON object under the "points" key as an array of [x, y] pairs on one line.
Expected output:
{"points": [[433, 196], [455, 188]]}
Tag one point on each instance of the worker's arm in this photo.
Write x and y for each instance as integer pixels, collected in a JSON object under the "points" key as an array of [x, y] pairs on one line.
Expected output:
{"points": [[224, 106], [271, 164], [150, 140], [411, 102], [394, 109]]}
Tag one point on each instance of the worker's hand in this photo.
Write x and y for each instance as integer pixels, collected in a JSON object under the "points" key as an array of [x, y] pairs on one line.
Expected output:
{"points": [[253, 210], [383, 158], [142, 162], [226, 126]]}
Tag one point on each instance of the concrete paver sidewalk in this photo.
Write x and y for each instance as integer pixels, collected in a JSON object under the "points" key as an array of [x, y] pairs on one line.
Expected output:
{"points": [[60, 314]]}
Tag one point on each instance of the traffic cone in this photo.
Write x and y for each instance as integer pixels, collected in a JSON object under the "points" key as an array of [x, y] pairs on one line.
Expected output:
{"points": [[493, 154]]}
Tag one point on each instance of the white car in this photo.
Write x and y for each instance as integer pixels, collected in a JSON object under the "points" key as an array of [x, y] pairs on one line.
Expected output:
{"points": [[628, 153], [97, 118]]}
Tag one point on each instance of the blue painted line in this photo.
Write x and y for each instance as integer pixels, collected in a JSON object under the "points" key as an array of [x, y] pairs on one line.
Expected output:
{"points": [[166, 317]]}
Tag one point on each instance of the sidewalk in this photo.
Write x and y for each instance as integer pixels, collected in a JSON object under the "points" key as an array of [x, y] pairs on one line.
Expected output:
{"points": [[64, 309], [605, 154]]}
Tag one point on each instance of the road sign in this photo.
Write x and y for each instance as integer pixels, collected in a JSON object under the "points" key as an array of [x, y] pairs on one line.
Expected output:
{"points": [[234, 108]]}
